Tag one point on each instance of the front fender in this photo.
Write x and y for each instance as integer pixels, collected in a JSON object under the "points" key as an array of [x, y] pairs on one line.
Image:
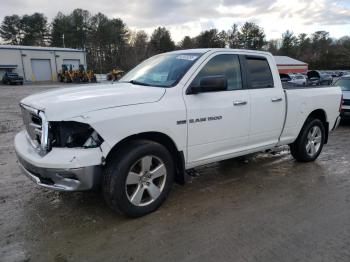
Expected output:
{"points": [[116, 124]]}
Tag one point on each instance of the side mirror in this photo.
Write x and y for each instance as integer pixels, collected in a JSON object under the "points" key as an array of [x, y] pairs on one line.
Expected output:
{"points": [[210, 84]]}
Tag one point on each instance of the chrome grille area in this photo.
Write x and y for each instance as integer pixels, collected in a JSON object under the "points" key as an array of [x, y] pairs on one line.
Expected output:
{"points": [[37, 128], [346, 102], [32, 122]]}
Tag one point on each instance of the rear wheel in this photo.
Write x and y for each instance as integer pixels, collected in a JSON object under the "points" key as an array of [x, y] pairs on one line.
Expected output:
{"points": [[310, 141], [137, 180]]}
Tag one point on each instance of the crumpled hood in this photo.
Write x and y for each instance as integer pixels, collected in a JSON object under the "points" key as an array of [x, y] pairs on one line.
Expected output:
{"points": [[60, 104]]}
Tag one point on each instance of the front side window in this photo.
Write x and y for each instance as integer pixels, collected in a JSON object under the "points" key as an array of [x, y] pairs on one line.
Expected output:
{"points": [[259, 73], [222, 65], [164, 70], [344, 84]]}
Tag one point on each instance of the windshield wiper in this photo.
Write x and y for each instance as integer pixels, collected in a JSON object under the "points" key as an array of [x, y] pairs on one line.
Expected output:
{"points": [[135, 82]]}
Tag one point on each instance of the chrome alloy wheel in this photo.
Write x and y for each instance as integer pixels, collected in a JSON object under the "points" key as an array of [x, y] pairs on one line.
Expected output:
{"points": [[314, 139], [145, 180]]}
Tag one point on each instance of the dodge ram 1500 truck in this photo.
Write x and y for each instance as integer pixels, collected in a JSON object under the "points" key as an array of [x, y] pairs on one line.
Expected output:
{"points": [[173, 112]]}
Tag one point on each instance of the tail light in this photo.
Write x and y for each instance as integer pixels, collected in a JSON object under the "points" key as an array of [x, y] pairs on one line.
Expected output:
{"points": [[341, 104]]}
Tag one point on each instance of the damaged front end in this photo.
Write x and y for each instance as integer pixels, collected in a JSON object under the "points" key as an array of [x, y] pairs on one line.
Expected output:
{"points": [[60, 155], [72, 134]]}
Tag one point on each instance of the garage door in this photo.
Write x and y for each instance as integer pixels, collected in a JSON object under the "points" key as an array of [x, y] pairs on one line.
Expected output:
{"points": [[74, 62], [41, 69]]}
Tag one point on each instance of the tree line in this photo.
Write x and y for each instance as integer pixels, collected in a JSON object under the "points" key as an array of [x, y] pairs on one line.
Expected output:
{"points": [[109, 43]]}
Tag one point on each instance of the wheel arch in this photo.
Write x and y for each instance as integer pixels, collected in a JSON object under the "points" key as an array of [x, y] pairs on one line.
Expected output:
{"points": [[321, 115], [163, 139]]}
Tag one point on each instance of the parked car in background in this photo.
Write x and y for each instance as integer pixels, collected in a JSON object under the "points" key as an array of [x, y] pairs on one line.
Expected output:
{"points": [[299, 79], [343, 73], [331, 73], [319, 78], [11, 78], [344, 84], [294, 79], [285, 78]]}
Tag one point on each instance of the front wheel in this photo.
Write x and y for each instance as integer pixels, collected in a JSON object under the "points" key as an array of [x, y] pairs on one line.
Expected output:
{"points": [[310, 141], [138, 179]]}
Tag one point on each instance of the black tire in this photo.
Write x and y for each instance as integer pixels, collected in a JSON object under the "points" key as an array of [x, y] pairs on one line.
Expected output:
{"points": [[299, 147], [117, 170]]}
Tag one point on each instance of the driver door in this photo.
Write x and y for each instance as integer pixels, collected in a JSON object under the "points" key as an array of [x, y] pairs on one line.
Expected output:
{"points": [[218, 122]]}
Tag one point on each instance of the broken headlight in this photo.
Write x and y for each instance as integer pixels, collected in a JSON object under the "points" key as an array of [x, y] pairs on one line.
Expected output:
{"points": [[73, 134]]}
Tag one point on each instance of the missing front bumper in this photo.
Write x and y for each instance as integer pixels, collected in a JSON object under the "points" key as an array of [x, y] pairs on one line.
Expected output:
{"points": [[76, 179], [61, 169]]}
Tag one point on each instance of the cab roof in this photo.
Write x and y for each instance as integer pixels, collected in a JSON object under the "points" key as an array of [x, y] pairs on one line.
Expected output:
{"points": [[206, 50]]}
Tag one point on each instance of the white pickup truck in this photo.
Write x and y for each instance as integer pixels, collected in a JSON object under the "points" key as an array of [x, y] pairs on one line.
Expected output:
{"points": [[173, 112]]}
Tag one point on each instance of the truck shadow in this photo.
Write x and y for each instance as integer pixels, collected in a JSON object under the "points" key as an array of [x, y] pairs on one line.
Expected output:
{"points": [[59, 220]]}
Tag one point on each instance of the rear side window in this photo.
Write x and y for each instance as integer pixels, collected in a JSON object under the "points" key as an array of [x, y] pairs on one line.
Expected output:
{"points": [[222, 65], [259, 72]]}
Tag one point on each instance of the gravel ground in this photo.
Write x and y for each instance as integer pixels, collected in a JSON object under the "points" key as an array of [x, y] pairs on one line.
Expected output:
{"points": [[260, 208]]}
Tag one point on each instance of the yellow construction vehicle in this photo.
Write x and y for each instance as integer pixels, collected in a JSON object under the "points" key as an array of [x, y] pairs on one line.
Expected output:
{"points": [[68, 75], [115, 74], [89, 75]]}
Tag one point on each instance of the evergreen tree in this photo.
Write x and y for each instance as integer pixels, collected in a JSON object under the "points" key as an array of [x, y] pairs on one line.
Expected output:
{"points": [[161, 41], [10, 30]]}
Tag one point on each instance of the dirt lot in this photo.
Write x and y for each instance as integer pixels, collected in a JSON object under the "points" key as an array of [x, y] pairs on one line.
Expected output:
{"points": [[264, 208]]}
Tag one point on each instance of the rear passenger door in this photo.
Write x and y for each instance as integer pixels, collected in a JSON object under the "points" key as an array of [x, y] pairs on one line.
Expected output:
{"points": [[267, 103], [218, 122]]}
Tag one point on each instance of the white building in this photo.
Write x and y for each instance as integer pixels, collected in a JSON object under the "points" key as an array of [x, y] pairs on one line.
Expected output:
{"points": [[38, 63]]}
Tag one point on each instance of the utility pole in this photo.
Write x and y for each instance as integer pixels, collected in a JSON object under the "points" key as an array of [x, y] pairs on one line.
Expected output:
{"points": [[63, 40]]}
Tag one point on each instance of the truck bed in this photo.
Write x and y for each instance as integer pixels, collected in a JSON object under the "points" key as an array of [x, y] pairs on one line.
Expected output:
{"points": [[302, 101]]}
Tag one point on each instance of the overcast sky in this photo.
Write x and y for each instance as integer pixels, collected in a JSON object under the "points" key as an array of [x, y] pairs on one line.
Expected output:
{"points": [[189, 17]]}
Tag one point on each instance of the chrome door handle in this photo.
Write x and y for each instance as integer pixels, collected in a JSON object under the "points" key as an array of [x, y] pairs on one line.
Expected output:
{"points": [[276, 99], [239, 103]]}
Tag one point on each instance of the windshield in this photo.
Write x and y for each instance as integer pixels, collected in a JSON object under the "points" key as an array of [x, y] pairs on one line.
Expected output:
{"points": [[344, 84], [164, 70]]}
